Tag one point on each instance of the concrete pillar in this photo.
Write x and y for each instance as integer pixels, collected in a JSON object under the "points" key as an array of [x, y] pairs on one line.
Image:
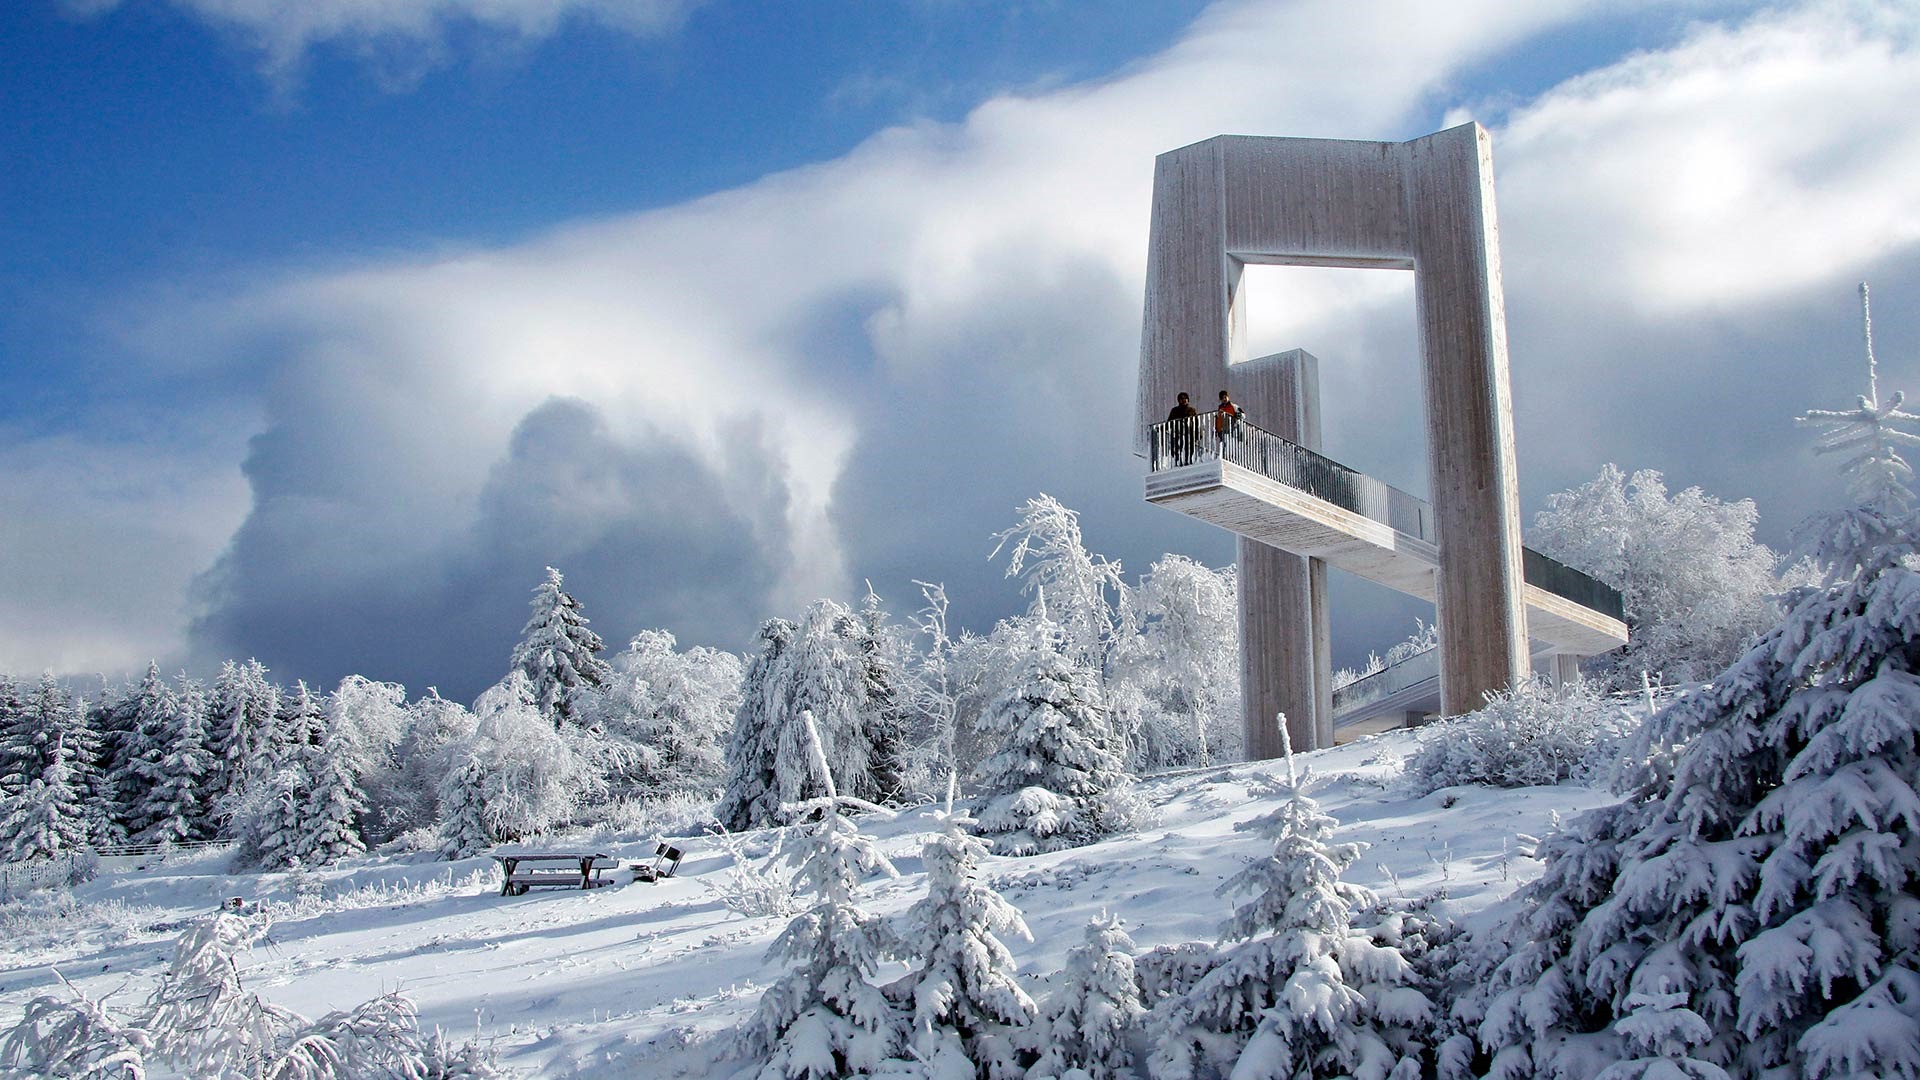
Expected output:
{"points": [[1566, 672], [1285, 633], [1473, 479]]}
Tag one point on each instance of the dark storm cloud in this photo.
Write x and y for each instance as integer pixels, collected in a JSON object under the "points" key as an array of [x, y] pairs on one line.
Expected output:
{"points": [[637, 528]]}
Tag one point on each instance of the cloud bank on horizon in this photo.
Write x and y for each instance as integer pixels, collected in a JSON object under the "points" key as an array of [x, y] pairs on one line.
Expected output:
{"points": [[713, 412]]}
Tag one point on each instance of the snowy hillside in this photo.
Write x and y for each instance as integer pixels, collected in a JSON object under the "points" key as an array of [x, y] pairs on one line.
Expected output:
{"points": [[642, 977]]}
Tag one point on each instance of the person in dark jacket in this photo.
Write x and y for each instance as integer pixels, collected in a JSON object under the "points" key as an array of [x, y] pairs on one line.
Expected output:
{"points": [[1184, 435]]}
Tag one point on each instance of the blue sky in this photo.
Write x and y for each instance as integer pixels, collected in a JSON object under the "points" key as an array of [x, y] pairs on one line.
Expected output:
{"points": [[320, 321]]}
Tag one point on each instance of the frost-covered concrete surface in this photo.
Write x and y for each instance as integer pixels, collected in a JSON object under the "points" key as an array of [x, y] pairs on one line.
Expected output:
{"points": [[642, 976]]}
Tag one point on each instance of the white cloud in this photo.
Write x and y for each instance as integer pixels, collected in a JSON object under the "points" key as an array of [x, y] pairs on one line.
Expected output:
{"points": [[408, 34], [867, 362], [1746, 162]]}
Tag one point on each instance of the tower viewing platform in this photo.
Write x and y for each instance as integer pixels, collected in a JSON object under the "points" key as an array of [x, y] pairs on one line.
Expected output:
{"points": [[1258, 485]]}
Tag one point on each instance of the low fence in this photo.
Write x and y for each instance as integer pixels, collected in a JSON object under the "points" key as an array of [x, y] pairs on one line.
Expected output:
{"points": [[74, 867], [69, 868]]}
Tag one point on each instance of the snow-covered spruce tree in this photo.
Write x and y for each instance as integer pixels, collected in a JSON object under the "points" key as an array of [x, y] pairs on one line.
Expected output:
{"points": [[299, 723], [465, 827], [14, 770], [750, 794], [824, 1018], [46, 818], [1084, 1026], [970, 1016], [139, 725], [1056, 780], [1306, 992], [1763, 865], [332, 806], [45, 810], [886, 708], [176, 803], [558, 654], [1696, 585], [933, 694], [1080, 591], [241, 733]]}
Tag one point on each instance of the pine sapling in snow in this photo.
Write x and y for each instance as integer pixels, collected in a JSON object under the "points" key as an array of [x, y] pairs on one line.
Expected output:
{"points": [[1306, 993], [824, 1018], [1056, 781], [1083, 1029], [970, 1016]]}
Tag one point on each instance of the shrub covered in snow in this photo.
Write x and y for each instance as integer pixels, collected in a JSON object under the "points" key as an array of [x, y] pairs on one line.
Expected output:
{"points": [[201, 1022], [1084, 1026], [1306, 992], [1532, 734]]}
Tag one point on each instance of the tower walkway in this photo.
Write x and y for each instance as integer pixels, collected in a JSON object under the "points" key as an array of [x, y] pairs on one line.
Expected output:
{"points": [[1256, 484]]}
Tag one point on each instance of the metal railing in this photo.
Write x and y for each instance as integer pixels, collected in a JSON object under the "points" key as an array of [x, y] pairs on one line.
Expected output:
{"points": [[1212, 436]]}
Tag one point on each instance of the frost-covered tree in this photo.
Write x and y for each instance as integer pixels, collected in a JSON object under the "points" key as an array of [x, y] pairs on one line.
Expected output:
{"points": [[516, 772], [677, 708], [1084, 1027], [176, 804], [933, 692], [970, 1015], [137, 738], [824, 1018], [1696, 585], [1306, 992], [44, 804], [1762, 867], [1056, 780], [1184, 663], [201, 1022], [831, 665], [1881, 502], [241, 733], [333, 805], [407, 796], [1081, 592], [756, 773], [558, 654]]}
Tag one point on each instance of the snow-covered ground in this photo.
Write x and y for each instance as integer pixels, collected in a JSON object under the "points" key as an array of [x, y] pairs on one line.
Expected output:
{"points": [[640, 976]]}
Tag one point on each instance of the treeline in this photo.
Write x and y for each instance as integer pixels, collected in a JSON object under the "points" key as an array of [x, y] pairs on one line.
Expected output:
{"points": [[302, 776]]}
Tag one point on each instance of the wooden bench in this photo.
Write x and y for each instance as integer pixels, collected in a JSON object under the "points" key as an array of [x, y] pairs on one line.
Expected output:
{"points": [[525, 870]]}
